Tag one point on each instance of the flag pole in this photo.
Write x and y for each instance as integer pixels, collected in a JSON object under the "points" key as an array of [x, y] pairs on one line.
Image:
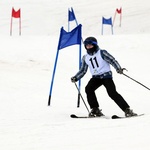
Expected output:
{"points": [[102, 28], [120, 16], [11, 21], [11, 25], [68, 21], [74, 16], [20, 23], [53, 75], [112, 29], [102, 25], [54, 70], [114, 18], [79, 83], [111, 25]]}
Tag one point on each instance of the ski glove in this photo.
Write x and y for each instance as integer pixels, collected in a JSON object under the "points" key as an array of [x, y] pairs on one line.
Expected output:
{"points": [[74, 79], [120, 70]]}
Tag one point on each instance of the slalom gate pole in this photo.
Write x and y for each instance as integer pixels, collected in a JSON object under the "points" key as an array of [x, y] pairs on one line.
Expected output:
{"points": [[82, 97], [136, 81]]}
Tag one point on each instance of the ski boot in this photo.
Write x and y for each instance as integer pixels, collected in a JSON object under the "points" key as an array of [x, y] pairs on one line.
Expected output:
{"points": [[129, 113], [96, 112]]}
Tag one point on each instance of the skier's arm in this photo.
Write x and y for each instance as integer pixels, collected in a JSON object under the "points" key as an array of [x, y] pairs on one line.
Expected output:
{"points": [[81, 72], [111, 60]]}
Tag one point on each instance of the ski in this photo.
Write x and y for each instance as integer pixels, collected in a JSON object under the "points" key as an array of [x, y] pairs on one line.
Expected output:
{"points": [[75, 116], [119, 117], [105, 117]]}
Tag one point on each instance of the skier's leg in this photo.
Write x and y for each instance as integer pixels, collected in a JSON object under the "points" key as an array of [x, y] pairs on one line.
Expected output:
{"points": [[90, 88], [111, 90]]}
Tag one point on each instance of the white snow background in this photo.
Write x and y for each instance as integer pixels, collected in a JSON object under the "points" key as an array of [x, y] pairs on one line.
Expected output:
{"points": [[26, 66]]}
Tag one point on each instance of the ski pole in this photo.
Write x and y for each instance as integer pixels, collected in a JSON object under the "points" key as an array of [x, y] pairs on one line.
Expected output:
{"points": [[82, 97], [136, 81]]}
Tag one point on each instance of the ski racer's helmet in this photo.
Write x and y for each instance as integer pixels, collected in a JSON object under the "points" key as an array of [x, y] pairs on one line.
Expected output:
{"points": [[92, 41]]}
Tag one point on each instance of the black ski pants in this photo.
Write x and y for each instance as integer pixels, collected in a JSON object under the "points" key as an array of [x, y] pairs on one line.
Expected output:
{"points": [[108, 83]]}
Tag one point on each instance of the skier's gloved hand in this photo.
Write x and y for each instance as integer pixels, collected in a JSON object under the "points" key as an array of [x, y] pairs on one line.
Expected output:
{"points": [[73, 79], [120, 70]]}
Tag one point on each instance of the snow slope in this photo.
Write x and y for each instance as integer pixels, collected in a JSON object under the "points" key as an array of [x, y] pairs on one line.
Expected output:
{"points": [[26, 66]]}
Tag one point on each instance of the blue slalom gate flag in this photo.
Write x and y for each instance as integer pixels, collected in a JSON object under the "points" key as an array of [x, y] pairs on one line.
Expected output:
{"points": [[71, 15], [107, 21], [69, 38], [66, 39]]}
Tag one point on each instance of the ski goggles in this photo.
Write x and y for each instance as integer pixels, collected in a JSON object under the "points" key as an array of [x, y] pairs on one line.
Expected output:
{"points": [[90, 42]]}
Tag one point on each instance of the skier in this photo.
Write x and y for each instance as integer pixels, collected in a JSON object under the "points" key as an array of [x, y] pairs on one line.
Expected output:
{"points": [[99, 61]]}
